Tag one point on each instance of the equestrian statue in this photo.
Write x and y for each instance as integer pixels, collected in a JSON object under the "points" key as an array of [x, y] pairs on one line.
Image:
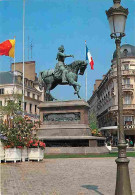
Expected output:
{"points": [[62, 74]]}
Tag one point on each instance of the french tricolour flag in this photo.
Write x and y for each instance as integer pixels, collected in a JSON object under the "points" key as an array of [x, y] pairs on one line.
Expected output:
{"points": [[89, 58]]}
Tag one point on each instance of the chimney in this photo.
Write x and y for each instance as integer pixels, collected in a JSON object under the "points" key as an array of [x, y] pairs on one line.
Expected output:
{"points": [[97, 83], [29, 69]]}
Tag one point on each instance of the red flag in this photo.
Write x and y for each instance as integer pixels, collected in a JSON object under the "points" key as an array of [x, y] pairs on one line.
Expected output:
{"points": [[7, 48]]}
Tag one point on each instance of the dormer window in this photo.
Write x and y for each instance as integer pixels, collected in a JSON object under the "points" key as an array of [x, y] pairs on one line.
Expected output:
{"points": [[125, 52]]}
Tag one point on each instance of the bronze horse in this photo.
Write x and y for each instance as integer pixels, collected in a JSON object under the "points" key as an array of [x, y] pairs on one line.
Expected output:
{"points": [[49, 79]]}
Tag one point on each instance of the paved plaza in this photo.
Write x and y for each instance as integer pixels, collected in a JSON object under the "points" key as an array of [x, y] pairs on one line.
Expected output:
{"points": [[80, 176]]}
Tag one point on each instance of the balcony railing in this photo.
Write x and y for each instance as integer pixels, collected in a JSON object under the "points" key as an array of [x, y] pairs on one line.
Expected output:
{"points": [[128, 72], [127, 87], [129, 126], [126, 127], [129, 106], [32, 115], [125, 106], [124, 72]]}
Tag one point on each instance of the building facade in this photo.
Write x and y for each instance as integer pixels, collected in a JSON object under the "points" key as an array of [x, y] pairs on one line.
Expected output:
{"points": [[104, 101], [12, 83]]}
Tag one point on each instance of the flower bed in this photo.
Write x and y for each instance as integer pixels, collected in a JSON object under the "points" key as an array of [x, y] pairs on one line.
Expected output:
{"points": [[95, 132]]}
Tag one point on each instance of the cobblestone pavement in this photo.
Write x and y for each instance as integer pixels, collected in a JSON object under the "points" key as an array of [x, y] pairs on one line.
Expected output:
{"points": [[94, 176]]}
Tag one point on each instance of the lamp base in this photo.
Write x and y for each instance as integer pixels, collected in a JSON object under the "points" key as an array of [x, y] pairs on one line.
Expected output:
{"points": [[123, 185]]}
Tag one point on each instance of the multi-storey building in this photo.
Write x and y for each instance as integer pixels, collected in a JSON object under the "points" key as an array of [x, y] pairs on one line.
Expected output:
{"points": [[11, 83], [104, 101]]}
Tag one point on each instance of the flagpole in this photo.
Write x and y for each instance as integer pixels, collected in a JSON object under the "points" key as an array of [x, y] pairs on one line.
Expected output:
{"points": [[85, 76], [23, 51], [14, 69], [86, 84], [14, 72], [14, 76]]}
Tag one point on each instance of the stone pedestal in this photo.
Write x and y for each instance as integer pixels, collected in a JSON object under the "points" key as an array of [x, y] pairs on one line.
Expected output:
{"points": [[64, 118], [65, 128]]}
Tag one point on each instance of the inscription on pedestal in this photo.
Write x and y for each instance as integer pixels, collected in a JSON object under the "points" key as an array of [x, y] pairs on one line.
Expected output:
{"points": [[62, 117]]}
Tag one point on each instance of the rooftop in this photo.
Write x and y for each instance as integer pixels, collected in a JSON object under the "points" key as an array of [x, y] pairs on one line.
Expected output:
{"points": [[126, 50], [6, 78]]}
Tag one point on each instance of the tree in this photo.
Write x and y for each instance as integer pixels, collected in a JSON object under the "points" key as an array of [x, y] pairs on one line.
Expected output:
{"points": [[12, 107], [93, 123]]}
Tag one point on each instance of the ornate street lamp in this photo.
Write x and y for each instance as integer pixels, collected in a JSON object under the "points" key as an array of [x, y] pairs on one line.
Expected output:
{"points": [[117, 16]]}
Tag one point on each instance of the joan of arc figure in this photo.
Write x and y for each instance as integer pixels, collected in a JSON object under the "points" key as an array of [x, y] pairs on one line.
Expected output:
{"points": [[61, 65]]}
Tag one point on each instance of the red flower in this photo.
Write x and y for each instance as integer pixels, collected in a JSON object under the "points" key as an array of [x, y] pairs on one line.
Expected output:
{"points": [[8, 146], [19, 146], [42, 144], [31, 141], [36, 144]]}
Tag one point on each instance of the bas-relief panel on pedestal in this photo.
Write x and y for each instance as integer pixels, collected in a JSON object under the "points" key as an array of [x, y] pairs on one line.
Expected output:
{"points": [[62, 116]]}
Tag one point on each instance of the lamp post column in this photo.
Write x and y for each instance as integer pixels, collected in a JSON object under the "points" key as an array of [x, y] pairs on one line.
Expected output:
{"points": [[123, 186]]}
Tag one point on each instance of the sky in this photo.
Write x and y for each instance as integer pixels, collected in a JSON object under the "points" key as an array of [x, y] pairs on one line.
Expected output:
{"points": [[51, 23]]}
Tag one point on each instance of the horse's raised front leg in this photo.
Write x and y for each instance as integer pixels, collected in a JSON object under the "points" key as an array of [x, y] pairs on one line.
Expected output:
{"points": [[78, 95], [76, 86], [77, 91]]}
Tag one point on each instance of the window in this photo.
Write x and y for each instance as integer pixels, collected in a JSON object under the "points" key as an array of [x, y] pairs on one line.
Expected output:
{"points": [[30, 107], [25, 105], [126, 81], [0, 103], [37, 97], [126, 67], [33, 96], [28, 94], [35, 108], [128, 120], [127, 99], [1, 91]]}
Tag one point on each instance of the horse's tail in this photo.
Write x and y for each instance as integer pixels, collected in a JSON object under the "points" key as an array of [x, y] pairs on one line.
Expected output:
{"points": [[40, 80]]}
